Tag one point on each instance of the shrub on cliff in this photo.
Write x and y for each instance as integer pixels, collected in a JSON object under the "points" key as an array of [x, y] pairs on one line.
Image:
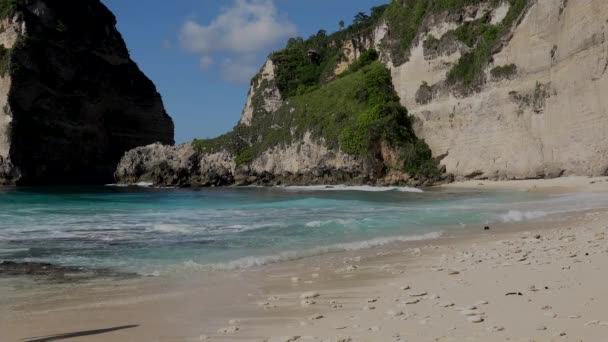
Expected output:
{"points": [[353, 114]]}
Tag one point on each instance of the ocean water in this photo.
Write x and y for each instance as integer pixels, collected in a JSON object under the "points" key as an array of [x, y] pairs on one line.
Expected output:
{"points": [[149, 230]]}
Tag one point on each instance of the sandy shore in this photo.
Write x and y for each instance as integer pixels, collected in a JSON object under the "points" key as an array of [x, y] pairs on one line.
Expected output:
{"points": [[538, 281]]}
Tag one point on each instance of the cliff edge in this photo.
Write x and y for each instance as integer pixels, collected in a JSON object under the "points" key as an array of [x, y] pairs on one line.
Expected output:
{"points": [[73, 102]]}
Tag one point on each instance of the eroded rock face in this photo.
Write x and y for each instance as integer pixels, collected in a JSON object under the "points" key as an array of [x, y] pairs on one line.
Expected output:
{"points": [[177, 165], [72, 99], [548, 120]]}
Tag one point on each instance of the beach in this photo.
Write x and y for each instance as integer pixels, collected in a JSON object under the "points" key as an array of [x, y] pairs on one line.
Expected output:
{"points": [[538, 280]]}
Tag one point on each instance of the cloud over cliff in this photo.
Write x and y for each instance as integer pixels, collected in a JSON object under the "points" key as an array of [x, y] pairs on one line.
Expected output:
{"points": [[243, 30]]}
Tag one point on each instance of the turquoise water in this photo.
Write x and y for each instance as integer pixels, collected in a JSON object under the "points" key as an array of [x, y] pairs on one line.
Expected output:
{"points": [[154, 230]]}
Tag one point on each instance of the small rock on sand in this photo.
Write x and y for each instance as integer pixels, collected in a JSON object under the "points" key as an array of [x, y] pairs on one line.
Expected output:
{"points": [[406, 287], [315, 317], [295, 279], [413, 301], [307, 302], [475, 319], [446, 304], [481, 302], [369, 307], [550, 314], [418, 294], [471, 313], [395, 313], [284, 339], [495, 329], [309, 295], [228, 330]]}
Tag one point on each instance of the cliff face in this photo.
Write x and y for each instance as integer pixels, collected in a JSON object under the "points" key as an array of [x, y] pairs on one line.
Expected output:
{"points": [[498, 89], [547, 117], [72, 99]]}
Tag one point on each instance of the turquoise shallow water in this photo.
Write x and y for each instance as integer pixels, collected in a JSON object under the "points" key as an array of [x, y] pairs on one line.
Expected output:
{"points": [[153, 230]]}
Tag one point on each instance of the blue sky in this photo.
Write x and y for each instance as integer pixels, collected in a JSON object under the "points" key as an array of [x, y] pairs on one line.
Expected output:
{"points": [[201, 53]]}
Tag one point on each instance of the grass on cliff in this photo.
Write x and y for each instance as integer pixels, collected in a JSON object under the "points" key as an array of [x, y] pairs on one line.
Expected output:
{"points": [[298, 71], [482, 37], [353, 113], [7, 6]]}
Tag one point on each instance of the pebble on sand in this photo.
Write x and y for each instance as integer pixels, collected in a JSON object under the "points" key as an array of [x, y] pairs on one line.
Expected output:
{"points": [[228, 330], [475, 319], [309, 295], [418, 294], [550, 314], [307, 302], [315, 317], [284, 339], [395, 313]]}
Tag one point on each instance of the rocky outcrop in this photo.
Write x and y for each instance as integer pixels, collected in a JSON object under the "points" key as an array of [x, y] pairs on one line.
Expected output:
{"points": [[263, 94], [177, 165], [72, 99], [303, 163]]}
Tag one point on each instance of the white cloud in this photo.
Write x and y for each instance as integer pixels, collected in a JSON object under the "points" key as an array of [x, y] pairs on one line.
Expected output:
{"points": [[206, 62], [239, 71], [246, 27]]}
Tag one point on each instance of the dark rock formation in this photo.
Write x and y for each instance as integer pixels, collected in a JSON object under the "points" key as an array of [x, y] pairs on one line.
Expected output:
{"points": [[74, 100]]}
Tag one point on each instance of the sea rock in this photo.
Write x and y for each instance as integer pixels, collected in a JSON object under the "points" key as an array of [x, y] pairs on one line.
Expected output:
{"points": [[73, 100]]}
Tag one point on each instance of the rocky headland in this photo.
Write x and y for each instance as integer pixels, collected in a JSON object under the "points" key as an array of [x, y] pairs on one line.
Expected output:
{"points": [[73, 102]]}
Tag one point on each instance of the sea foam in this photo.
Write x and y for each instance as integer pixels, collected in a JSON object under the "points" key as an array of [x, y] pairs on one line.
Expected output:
{"points": [[365, 188], [253, 261], [518, 216]]}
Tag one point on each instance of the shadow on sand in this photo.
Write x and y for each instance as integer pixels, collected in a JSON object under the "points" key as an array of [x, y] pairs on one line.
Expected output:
{"points": [[60, 337]]}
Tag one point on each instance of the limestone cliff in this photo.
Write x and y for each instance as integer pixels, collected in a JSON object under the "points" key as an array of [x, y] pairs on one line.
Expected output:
{"points": [[72, 99], [546, 118], [498, 89]]}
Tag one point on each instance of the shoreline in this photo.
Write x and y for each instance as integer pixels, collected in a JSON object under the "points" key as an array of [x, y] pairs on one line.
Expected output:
{"points": [[359, 291]]}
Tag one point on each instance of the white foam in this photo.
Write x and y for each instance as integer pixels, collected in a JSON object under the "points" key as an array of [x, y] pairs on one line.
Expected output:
{"points": [[253, 261], [139, 184], [518, 216], [172, 228], [365, 188], [317, 224]]}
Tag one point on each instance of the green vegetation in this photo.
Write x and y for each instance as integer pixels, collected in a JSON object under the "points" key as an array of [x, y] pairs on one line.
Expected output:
{"points": [[404, 17], [308, 63], [7, 6], [483, 38], [366, 58], [504, 71], [353, 113], [431, 43]]}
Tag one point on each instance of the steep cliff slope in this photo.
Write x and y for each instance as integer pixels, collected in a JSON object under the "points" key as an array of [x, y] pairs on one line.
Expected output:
{"points": [[499, 89], [536, 107], [72, 100]]}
